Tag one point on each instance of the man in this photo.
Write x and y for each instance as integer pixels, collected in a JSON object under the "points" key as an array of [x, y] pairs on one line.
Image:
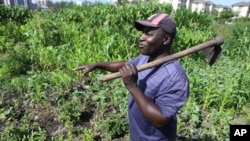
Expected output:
{"points": [[158, 93]]}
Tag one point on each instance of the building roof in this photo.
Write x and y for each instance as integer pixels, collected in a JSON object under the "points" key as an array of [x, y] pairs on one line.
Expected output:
{"points": [[198, 1], [242, 4], [222, 6], [204, 1], [209, 2]]}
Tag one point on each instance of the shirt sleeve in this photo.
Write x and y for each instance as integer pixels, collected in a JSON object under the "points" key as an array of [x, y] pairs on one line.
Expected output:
{"points": [[172, 98], [139, 60]]}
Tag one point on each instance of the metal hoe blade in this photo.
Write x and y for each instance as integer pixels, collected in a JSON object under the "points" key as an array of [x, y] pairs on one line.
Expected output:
{"points": [[212, 54]]}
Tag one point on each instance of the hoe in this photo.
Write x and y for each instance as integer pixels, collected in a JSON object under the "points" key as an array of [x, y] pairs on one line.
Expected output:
{"points": [[210, 49]]}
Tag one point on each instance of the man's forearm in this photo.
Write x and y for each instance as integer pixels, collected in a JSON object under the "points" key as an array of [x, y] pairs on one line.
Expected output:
{"points": [[110, 66], [150, 110]]}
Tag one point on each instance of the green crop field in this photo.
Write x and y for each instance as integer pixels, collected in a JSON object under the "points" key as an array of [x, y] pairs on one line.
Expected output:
{"points": [[41, 98]]}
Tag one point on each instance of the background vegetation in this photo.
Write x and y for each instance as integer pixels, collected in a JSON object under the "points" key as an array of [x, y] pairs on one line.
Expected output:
{"points": [[41, 98]]}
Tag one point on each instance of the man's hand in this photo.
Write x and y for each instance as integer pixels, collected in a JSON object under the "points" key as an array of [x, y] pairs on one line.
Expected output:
{"points": [[87, 68], [129, 75]]}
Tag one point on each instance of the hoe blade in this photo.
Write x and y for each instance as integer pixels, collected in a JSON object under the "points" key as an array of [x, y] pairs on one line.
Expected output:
{"points": [[212, 54]]}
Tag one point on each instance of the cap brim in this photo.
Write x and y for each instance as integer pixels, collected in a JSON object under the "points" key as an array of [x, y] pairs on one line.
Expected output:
{"points": [[139, 25]]}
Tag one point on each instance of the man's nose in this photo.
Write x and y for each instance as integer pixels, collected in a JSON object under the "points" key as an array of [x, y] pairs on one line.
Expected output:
{"points": [[142, 37]]}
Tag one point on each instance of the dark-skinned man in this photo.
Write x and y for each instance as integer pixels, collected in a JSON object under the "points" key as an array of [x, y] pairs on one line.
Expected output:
{"points": [[155, 94]]}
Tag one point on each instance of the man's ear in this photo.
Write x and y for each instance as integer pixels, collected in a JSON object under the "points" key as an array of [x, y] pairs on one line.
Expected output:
{"points": [[167, 39]]}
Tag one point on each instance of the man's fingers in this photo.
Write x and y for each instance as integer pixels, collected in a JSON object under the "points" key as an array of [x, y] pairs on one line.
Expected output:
{"points": [[133, 68], [79, 68], [128, 69], [75, 69]]}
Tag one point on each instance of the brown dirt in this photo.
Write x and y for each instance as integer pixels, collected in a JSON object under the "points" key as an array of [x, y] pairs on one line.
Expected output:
{"points": [[47, 116]]}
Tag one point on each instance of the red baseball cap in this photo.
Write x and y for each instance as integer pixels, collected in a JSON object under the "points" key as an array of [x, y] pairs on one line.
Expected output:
{"points": [[162, 20]]}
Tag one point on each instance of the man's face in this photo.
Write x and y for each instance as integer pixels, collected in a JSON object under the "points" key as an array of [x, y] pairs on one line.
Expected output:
{"points": [[151, 41]]}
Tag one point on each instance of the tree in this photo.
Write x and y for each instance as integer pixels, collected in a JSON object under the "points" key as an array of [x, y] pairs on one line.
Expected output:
{"points": [[226, 14]]}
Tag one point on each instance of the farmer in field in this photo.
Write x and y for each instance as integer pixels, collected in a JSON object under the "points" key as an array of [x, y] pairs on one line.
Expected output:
{"points": [[156, 94]]}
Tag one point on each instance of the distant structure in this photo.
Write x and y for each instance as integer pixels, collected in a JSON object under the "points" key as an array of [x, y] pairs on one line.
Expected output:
{"points": [[41, 3], [221, 8], [26, 3], [241, 9], [209, 6], [194, 5], [176, 3]]}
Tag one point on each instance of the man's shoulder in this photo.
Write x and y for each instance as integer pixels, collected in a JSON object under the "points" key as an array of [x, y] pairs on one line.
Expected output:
{"points": [[139, 60], [141, 56], [174, 69]]}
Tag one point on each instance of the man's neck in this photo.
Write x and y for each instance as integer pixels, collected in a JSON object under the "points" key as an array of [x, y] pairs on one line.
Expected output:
{"points": [[153, 58]]}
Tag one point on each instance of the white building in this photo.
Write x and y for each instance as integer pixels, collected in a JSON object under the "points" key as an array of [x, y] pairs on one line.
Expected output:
{"points": [[41, 3], [175, 3], [209, 6], [221, 8], [241, 9], [202, 6], [26, 3], [197, 6], [194, 5]]}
